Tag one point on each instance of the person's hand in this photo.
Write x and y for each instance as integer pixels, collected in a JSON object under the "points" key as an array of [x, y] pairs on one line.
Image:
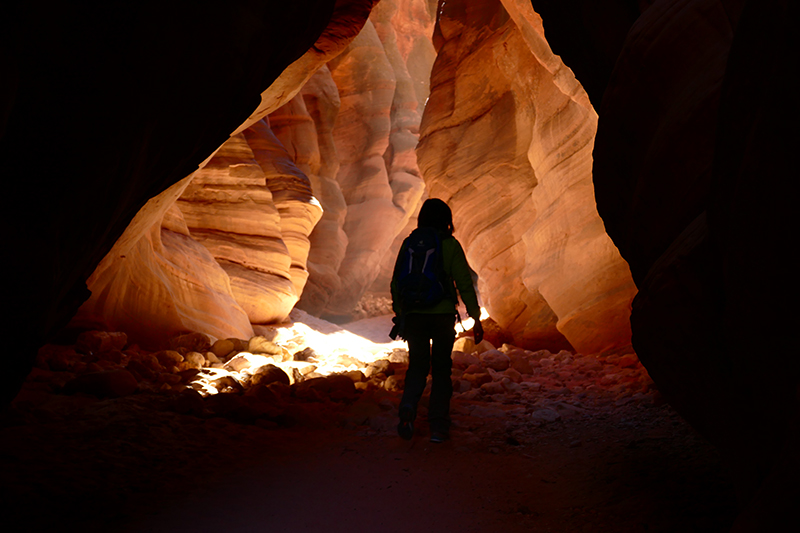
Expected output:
{"points": [[477, 332]]}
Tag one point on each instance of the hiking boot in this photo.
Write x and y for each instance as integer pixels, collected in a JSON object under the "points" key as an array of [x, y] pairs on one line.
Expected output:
{"points": [[439, 436], [405, 429], [406, 426]]}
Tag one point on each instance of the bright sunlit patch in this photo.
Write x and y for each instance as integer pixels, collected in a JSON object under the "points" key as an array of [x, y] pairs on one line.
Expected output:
{"points": [[468, 323], [335, 349]]}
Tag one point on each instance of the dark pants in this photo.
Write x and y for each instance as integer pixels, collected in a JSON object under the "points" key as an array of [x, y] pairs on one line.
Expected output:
{"points": [[420, 330]]}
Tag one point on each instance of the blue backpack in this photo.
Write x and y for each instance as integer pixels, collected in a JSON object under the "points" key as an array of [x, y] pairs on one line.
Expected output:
{"points": [[419, 272]]}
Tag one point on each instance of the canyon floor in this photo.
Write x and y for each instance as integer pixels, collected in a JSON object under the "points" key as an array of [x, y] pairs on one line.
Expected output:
{"points": [[600, 462]]}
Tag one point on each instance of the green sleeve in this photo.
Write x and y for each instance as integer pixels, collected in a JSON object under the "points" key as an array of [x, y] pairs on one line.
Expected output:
{"points": [[395, 293], [460, 272]]}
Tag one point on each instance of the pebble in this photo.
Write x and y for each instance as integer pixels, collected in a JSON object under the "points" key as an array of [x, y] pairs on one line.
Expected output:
{"points": [[260, 345], [191, 342], [496, 360], [221, 349], [100, 341], [244, 360], [545, 415]]}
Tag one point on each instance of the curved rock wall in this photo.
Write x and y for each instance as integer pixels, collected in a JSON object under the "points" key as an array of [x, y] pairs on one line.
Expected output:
{"points": [[506, 139], [158, 281], [250, 206], [691, 159], [373, 127], [253, 204], [128, 82]]}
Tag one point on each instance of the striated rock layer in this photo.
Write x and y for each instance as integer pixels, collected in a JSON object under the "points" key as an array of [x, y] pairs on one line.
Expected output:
{"points": [[506, 140], [249, 208], [127, 83], [368, 171]]}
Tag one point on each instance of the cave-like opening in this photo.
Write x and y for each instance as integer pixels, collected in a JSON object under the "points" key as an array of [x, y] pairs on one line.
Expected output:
{"points": [[302, 209]]}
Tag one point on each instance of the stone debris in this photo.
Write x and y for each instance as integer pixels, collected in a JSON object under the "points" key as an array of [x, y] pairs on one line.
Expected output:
{"points": [[260, 381]]}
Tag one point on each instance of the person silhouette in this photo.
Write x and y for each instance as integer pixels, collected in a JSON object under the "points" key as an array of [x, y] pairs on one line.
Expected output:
{"points": [[430, 330]]}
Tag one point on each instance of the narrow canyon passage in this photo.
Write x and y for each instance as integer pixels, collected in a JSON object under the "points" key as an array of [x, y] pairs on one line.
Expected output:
{"points": [[205, 201]]}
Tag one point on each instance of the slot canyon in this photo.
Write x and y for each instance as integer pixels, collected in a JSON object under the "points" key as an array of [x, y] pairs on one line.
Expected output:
{"points": [[199, 259]]}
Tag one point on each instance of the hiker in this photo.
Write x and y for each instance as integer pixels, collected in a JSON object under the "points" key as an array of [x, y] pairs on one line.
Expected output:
{"points": [[424, 301]]}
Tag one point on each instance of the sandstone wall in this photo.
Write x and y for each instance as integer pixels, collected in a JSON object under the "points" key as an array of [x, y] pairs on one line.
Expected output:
{"points": [[506, 139], [130, 85], [369, 134], [691, 158], [251, 209]]}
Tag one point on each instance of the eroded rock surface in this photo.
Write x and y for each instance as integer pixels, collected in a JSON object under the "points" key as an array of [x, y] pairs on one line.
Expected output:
{"points": [[251, 208], [368, 169], [685, 133], [506, 139]]}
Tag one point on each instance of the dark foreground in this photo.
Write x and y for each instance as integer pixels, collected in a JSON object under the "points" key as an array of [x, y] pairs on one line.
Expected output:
{"points": [[75, 463]]}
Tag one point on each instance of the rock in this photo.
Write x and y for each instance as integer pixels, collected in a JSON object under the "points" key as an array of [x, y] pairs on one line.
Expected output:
{"points": [[100, 341], [461, 385], [114, 356], [313, 389], [260, 345], [341, 387], [107, 384], [399, 355], [521, 364], [221, 348], [540, 354], [464, 360], [477, 380], [57, 358], [545, 415], [248, 241], [394, 383], [467, 345], [356, 376], [264, 393], [628, 361], [194, 342], [348, 360], [168, 358], [244, 360], [269, 374], [377, 367], [495, 359], [139, 370], [306, 354], [569, 287], [513, 375], [226, 384], [474, 368], [510, 385], [493, 387], [212, 358], [195, 360]]}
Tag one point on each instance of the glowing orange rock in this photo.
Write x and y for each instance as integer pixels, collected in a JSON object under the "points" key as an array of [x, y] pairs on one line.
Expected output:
{"points": [[506, 139]]}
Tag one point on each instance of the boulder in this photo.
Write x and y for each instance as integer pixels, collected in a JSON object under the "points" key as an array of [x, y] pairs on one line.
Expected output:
{"points": [[495, 359], [105, 384], [100, 341]]}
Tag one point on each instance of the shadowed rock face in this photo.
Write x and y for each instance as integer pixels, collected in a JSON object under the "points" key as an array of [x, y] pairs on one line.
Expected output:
{"points": [[506, 140], [119, 84], [691, 160], [252, 204]]}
